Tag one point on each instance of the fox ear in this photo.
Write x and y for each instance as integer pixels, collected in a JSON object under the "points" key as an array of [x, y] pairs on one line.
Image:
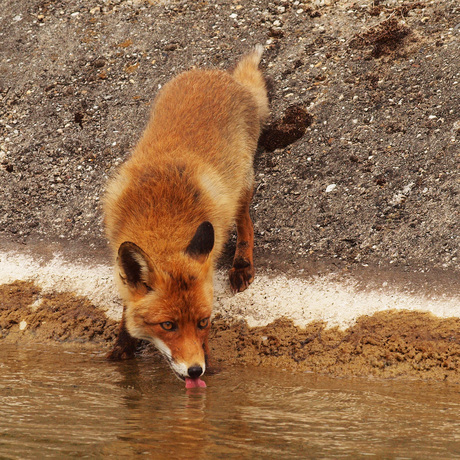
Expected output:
{"points": [[202, 243], [135, 265]]}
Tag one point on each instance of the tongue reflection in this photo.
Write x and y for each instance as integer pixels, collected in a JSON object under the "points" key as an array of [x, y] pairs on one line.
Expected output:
{"points": [[194, 383]]}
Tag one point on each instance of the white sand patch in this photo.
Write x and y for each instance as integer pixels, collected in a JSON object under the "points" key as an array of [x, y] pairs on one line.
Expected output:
{"points": [[321, 299], [338, 303], [94, 282]]}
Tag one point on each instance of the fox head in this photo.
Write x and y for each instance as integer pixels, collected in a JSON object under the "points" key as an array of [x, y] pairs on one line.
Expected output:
{"points": [[171, 305]]}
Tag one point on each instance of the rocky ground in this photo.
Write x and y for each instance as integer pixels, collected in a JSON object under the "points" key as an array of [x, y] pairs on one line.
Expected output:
{"points": [[360, 162], [358, 168]]}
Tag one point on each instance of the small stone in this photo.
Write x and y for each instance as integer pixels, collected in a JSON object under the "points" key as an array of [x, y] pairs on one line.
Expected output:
{"points": [[171, 47], [330, 188], [22, 325]]}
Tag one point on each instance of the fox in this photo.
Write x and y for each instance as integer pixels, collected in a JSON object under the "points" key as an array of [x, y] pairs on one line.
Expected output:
{"points": [[171, 205]]}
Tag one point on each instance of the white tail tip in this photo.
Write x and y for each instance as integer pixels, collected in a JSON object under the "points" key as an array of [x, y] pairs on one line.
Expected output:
{"points": [[259, 50]]}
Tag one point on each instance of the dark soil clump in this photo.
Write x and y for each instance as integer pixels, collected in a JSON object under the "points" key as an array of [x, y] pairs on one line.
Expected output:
{"points": [[384, 38], [286, 130]]}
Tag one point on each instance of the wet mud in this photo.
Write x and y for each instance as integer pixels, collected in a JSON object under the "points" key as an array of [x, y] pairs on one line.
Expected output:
{"points": [[386, 345], [392, 344], [28, 314]]}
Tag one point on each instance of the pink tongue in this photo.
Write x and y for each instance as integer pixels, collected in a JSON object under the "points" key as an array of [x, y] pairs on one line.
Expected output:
{"points": [[194, 383]]}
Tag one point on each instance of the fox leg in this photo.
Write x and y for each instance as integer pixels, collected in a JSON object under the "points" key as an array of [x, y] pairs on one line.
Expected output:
{"points": [[212, 367], [242, 273], [125, 345], [206, 353]]}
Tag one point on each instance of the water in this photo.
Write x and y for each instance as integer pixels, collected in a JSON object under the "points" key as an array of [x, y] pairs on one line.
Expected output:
{"points": [[59, 403]]}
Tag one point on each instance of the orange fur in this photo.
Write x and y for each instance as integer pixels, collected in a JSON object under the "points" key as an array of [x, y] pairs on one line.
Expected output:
{"points": [[169, 208]]}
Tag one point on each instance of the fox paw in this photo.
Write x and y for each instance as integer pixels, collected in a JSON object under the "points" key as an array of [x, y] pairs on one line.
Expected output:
{"points": [[241, 276], [120, 353]]}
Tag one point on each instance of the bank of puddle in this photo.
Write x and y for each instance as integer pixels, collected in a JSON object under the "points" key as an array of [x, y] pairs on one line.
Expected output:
{"points": [[64, 402], [387, 344]]}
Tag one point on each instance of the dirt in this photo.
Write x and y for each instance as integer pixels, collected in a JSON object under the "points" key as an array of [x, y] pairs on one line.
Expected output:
{"points": [[358, 166], [374, 87], [385, 345], [26, 312], [385, 38]]}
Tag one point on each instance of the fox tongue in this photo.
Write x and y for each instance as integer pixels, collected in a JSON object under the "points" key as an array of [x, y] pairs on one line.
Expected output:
{"points": [[194, 383]]}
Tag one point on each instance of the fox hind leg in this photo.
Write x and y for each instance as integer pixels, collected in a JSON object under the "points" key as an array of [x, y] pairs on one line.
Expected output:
{"points": [[242, 272]]}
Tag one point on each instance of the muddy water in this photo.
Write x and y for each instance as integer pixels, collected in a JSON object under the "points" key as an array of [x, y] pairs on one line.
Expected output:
{"points": [[66, 403]]}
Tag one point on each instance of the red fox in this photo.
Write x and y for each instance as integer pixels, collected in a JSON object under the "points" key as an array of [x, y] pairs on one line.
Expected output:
{"points": [[169, 209]]}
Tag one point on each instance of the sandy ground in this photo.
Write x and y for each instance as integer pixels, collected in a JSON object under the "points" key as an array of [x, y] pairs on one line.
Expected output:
{"points": [[356, 211]]}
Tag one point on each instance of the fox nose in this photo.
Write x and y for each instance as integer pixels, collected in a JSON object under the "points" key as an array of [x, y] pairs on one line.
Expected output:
{"points": [[195, 371]]}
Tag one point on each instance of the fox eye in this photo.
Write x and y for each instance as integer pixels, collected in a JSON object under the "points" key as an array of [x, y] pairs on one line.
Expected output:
{"points": [[203, 323], [168, 326]]}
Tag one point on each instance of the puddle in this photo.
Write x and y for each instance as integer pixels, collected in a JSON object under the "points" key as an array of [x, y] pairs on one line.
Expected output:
{"points": [[65, 403]]}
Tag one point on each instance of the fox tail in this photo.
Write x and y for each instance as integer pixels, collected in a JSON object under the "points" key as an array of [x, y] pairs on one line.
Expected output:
{"points": [[247, 73]]}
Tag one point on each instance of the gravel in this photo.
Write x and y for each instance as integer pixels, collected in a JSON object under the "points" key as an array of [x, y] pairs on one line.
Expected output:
{"points": [[365, 173]]}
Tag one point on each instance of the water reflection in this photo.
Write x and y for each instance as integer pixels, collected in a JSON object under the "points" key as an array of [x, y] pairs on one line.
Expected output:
{"points": [[57, 404]]}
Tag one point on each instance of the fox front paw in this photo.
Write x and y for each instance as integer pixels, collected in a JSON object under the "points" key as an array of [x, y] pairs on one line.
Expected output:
{"points": [[120, 353], [241, 276]]}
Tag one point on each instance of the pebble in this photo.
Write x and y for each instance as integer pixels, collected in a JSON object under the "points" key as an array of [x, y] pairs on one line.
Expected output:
{"points": [[330, 188]]}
